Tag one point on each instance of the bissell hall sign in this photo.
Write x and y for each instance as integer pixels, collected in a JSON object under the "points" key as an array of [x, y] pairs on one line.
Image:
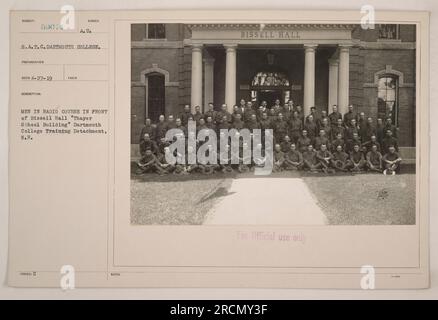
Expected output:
{"points": [[270, 34]]}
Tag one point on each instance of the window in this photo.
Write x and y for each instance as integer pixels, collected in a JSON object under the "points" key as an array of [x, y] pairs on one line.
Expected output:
{"points": [[155, 96], [387, 98], [389, 31], [156, 31]]}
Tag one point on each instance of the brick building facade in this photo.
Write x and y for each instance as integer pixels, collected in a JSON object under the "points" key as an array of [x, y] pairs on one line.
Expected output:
{"points": [[315, 65]]}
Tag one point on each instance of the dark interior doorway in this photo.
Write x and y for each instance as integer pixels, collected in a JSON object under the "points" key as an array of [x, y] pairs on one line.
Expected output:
{"points": [[270, 96], [155, 96]]}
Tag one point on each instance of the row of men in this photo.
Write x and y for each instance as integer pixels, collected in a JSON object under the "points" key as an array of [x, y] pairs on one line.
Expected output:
{"points": [[347, 142], [288, 120], [312, 160]]}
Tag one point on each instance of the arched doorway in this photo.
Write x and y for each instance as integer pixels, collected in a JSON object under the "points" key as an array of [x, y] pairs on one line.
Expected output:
{"points": [[269, 86]]}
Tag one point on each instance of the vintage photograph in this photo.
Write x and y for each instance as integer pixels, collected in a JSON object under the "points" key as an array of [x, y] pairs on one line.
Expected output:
{"points": [[273, 124]]}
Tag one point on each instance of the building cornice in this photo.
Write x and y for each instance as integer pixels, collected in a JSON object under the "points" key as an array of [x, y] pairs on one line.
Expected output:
{"points": [[270, 26]]}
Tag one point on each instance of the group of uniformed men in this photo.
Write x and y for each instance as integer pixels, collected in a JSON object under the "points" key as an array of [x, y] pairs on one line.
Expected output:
{"points": [[320, 141]]}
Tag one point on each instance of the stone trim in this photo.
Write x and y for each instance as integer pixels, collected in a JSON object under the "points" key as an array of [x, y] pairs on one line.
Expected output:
{"points": [[148, 44], [156, 69], [389, 70]]}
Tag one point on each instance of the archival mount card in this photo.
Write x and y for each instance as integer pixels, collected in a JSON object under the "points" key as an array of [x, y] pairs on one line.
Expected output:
{"points": [[219, 149]]}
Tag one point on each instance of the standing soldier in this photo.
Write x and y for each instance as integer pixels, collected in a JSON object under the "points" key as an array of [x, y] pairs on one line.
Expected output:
{"points": [[303, 142], [238, 124], [198, 114], [352, 142], [326, 127], [390, 126], [349, 116], [339, 128], [295, 126], [299, 109], [388, 141], [320, 140], [280, 128], [253, 123], [210, 111], [148, 144], [185, 115], [285, 144], [370, 143], [334, 116], [148, 128], [311, 127], [351, 129], [380, 131], [338, 142], [362, 126], [161, 128]]}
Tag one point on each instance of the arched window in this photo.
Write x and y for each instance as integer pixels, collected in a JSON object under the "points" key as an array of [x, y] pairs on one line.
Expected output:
{"points": [[155, 95], [387, 97]]}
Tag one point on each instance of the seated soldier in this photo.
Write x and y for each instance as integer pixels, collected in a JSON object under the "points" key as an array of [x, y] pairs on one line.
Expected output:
{"points": [[210, 167], [303, 142], [195, 167], [180, 165], [374, 159], [285, 145], [357, 160], [293, 159], [149, 163], [278, 158], [391, 161], [147, 143], [340, 159], [338, 141], [324, 156], [259, 161], [244, 158], [224, 160], [310, 160], [163, 163]]}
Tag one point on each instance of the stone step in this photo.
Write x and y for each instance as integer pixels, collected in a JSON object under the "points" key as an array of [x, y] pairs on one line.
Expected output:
{"points": [[407, 152]]}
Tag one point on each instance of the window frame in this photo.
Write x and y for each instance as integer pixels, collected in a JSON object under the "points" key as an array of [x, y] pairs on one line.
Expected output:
{"points": [[395, 109], [155, 39], [397, 32]]}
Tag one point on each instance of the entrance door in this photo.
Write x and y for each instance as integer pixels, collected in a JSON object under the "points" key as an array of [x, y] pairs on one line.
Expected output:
{"points": [[270, 96], [155, 96]]}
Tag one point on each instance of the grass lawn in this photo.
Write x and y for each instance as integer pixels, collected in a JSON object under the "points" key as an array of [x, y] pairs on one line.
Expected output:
{"points": [[175, 200], [363, 199]]}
